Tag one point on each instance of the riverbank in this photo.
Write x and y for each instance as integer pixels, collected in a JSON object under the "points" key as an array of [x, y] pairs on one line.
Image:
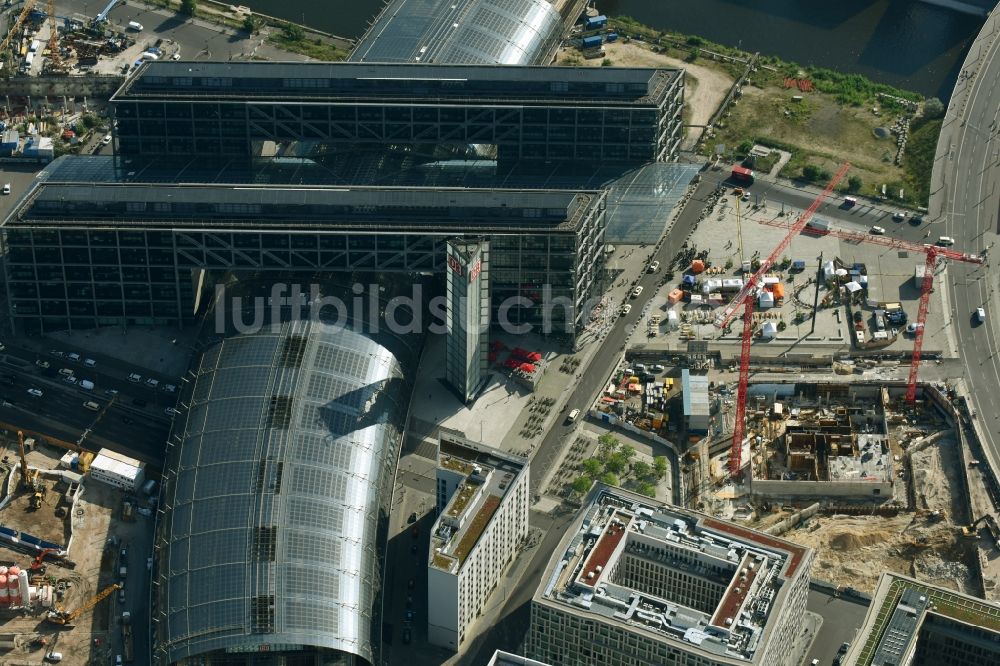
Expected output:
{"points": [[823, 118], [286, 35]]}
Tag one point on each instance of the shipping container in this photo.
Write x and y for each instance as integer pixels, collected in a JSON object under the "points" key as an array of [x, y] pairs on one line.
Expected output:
{"points": [[743, 175], [593, 42], [595, 22], [612, 37]]}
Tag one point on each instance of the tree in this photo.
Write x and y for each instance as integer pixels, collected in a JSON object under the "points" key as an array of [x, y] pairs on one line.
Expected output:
{"points": [[189, 7], [608, 445], [252, 24], [592, 466], [854, 184], [647, 489], [745, 147], [609, 479], [293, 32], [660, 466], [627, 452], [606, 62], [810, 172], [933, 108], [616, 463], [582, 484], [641, 469]]}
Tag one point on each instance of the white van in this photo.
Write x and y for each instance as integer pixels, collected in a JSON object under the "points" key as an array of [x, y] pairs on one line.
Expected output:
{"points": [[946, 240], [91, 405], [573, 415], [135, 25]]}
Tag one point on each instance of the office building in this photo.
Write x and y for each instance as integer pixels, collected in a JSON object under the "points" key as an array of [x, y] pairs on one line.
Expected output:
{"points": [[275, 498], [118, 470], [636, 582], [482, 506], [916, 624], [83, 254], [247, 112], [468, 280], [486, 32]]}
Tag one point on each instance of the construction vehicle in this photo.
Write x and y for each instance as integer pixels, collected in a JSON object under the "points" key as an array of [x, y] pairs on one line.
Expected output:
{"points": [[12, 34], [65, 619], [745, 299], [38, 565], [36, 501], [29, 478]]}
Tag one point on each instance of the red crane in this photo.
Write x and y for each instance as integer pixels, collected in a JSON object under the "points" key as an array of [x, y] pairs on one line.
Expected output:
{"points": [[932, 253], [745, 298]]}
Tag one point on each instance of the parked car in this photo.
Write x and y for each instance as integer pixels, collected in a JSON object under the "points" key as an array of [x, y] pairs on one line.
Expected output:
{"points": [[106, 140], [877, 230], [898, 216], [169, 388], [135, 377], [35, 392], [44, 365], [626, 309], [57, 353], [73, 356], [637, 291], [6, 188], [89, 362], [152, 383], [53, 657]]}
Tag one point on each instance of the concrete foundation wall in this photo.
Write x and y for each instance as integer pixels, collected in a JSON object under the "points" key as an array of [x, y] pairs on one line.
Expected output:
{"points": [[822, 489]]}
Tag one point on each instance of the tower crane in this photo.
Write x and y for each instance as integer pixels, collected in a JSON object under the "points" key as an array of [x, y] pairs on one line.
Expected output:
{"points": [[932, 254], [745, 298], [18, 22], [55, 60], [64, 618]]}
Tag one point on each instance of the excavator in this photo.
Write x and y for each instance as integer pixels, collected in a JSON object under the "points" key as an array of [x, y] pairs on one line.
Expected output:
{"points": [[65, 618], [38, 566]]}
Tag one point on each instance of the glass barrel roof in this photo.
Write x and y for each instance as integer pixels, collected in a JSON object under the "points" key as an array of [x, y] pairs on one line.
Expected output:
{"points": [[506, 32], [274, 495]]}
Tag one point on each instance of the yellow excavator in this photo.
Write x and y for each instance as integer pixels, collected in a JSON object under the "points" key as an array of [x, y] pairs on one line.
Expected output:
{"points": [[64, 618]]}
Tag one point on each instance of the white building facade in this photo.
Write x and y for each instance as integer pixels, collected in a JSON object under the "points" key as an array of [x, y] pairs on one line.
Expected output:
{"points": [[482, 503]]}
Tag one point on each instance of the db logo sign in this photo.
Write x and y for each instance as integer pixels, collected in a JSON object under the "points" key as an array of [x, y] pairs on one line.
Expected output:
{"points": [[456, 266], [476, 270]]}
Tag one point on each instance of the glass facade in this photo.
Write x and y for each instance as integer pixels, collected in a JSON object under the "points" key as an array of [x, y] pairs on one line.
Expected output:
{"points": [[276, 498], [467, 277]]}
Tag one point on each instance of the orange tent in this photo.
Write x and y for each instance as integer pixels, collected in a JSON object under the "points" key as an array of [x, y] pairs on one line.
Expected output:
{"points": [[697, 266]]}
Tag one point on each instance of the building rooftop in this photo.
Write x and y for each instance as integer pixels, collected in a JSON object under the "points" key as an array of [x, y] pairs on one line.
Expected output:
{"points": [[505, 32], [897, 612], [594, 572], [144, 205], [349, 82], [873, 462], [489, 475], [695, 393]]}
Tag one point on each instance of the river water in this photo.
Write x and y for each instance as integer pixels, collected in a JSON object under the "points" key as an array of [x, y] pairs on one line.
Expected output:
{"points": [[905, 43]]}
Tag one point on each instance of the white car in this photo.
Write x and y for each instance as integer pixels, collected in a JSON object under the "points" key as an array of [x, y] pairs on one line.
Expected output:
{"points": [[106, 140], [35, 392], [745, 197], [169, 388], [152, 383], [877, 230], [69, 379], [6, 188], [981, 315], [44, 365], [73, 356], [135, 377], [653, 267], [636, 292], [89, 362], [53, 657], [912, 327], [899, 216], [176, 56], [626, 309]]}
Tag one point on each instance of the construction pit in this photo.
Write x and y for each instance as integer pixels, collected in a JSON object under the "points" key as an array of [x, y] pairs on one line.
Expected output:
{"points": [[849, 470], [38, 582]]}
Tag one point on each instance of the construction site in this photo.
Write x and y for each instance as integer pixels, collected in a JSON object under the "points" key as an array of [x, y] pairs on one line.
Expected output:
{"points": [[59, 568], [854, 471]]}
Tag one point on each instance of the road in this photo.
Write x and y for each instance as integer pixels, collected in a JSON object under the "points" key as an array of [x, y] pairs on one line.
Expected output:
{"points": [[136, 424], [965, 204], [842, 616]]}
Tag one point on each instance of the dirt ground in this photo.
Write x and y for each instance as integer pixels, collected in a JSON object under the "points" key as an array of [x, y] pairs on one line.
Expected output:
{"points": [[94, 558], [705, 87], [855, 550]]}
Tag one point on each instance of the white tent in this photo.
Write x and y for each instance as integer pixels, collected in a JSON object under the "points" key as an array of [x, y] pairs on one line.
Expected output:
{"points": [[853, 287], [766, 299], [769, 330]]}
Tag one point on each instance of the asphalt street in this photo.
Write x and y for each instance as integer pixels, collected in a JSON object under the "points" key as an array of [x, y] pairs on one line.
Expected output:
{"points": [[135, 424], [965, 204]]}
